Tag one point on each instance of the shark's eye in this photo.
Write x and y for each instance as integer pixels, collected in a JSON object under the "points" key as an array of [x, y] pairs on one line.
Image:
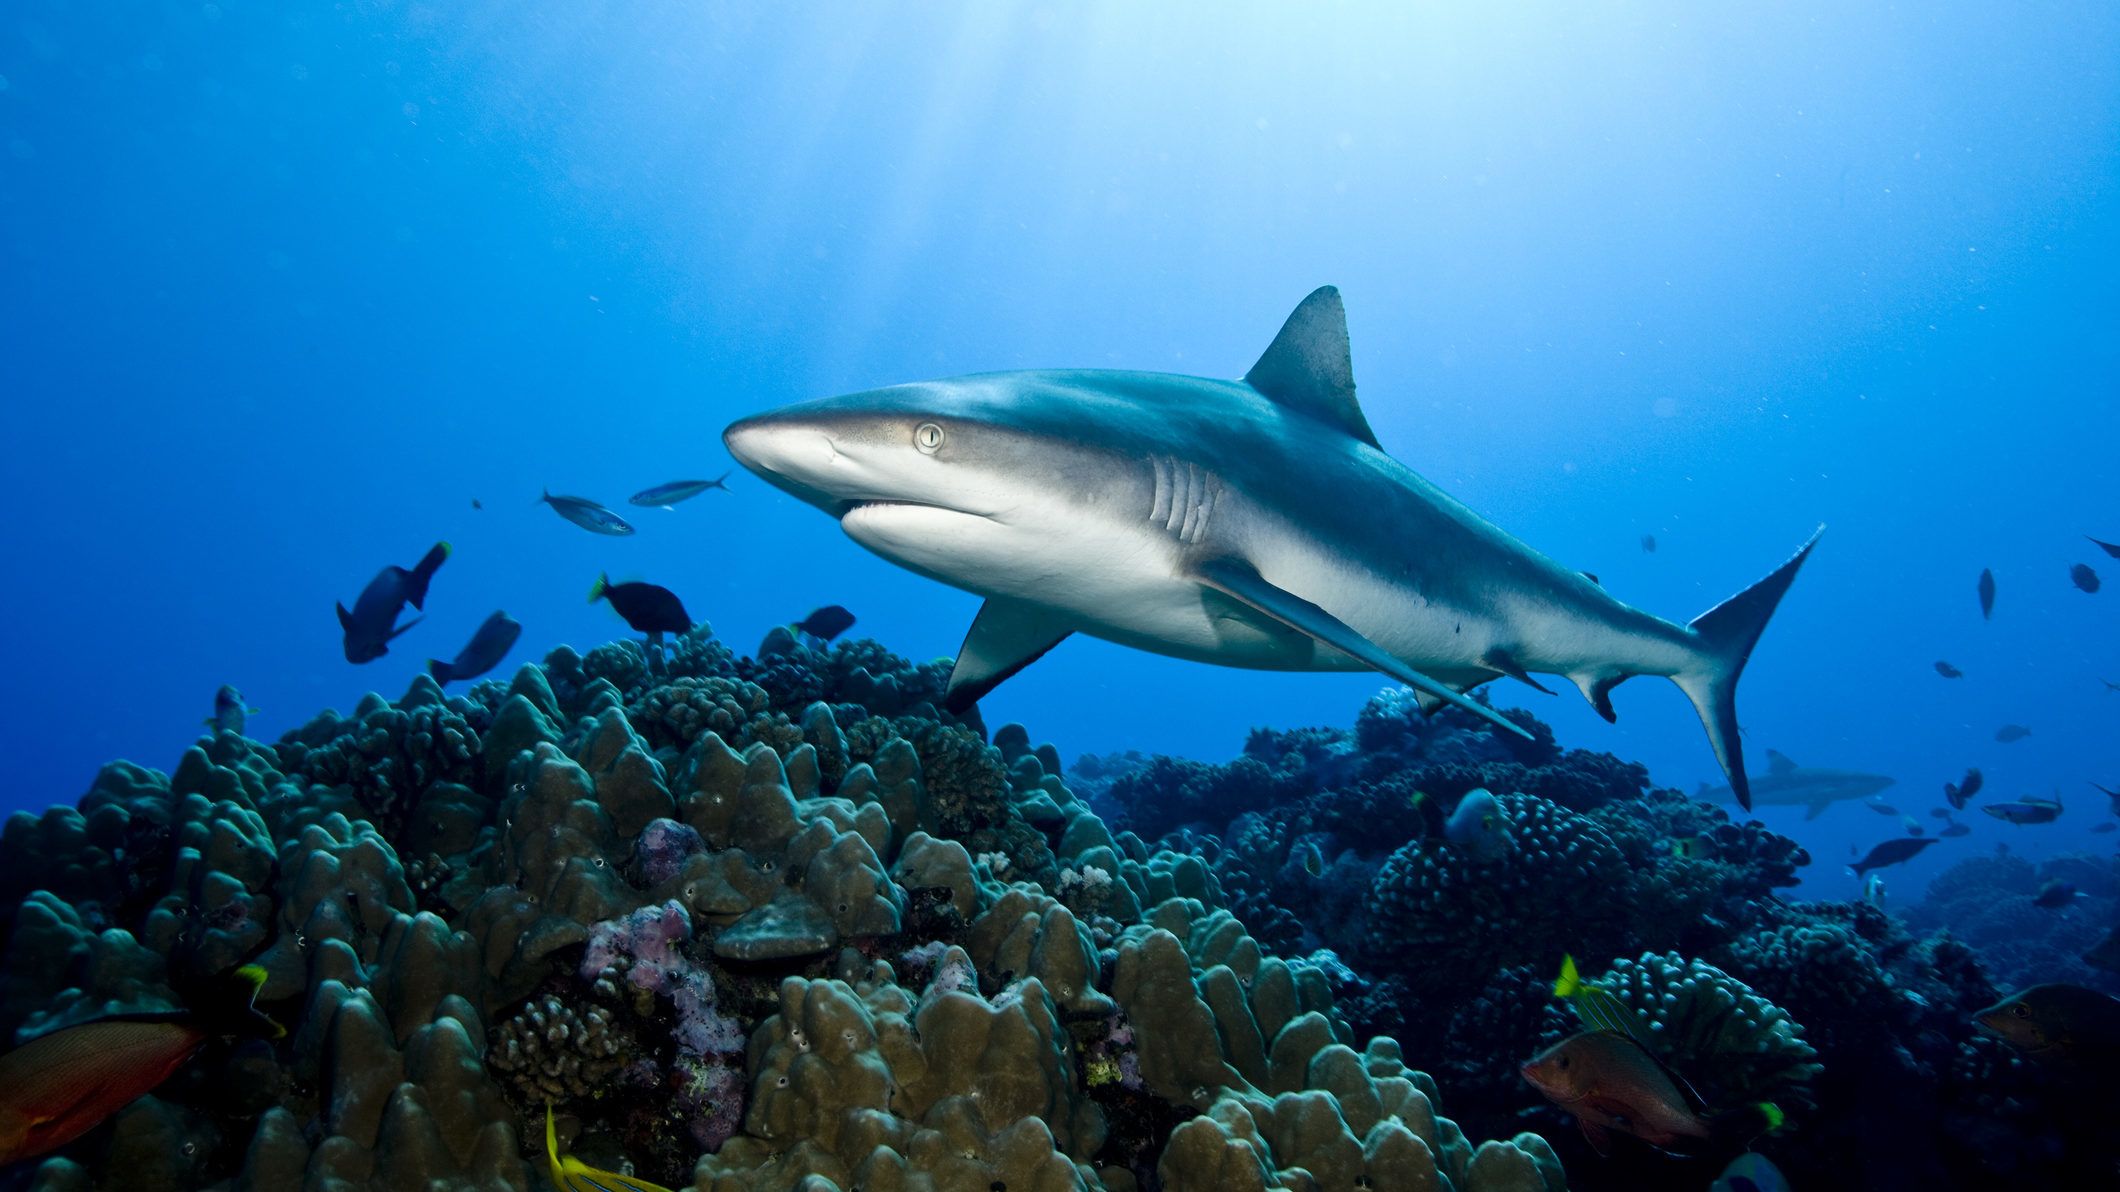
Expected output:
{"points": [[2021, 1010], [928, 438]]}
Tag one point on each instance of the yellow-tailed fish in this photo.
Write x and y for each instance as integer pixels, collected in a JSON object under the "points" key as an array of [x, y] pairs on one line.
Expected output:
{"points": [[570, 1174], [1313, 860], [1692, 848], [1598, 1008]]}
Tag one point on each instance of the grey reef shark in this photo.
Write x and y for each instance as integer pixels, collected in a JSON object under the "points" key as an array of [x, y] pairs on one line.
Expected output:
{"points": [[1786, 784], [1252, 523]]}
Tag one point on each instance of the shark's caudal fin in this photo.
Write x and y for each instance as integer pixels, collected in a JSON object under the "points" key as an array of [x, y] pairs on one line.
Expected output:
{"points": [[1726, 635]]}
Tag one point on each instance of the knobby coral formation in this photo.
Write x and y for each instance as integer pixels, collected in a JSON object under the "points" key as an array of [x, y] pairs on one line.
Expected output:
{"points": [[745, 923], [1332, 846], [1987, 902]]}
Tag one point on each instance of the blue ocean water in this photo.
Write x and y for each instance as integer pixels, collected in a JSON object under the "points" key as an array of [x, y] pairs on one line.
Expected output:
{"points": [[285, 288]]}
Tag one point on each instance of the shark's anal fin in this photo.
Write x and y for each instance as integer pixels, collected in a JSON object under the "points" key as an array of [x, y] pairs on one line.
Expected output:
{"points": [[1598, 690], [1005, 637], [1242, 582]]}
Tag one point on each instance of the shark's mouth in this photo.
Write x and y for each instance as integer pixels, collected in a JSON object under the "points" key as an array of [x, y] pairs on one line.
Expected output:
{"points": [[849, 508]]}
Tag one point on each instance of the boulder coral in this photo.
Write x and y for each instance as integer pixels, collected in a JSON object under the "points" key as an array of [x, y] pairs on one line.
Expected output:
{"points": [[775, 922], [1327, 844]]}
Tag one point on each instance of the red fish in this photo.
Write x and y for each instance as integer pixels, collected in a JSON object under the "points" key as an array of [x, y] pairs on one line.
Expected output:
{"points": [[1609, 1082], [57, 1087]]}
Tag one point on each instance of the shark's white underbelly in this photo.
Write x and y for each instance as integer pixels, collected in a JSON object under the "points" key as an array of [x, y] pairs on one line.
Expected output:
{"points": [[1127, 579]]}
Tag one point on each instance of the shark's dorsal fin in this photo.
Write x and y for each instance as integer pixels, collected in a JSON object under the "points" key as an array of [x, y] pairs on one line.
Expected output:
{"points": [[1308, 366], [1779, 763]]}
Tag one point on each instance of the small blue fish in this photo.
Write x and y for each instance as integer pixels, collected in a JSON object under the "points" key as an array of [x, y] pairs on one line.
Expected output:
{"points": [[482, 653], [1891, 852], [372, 623], [229, 713], [647, 608], [1479, 826], [826, 623], [588, 515], [663, 496]]}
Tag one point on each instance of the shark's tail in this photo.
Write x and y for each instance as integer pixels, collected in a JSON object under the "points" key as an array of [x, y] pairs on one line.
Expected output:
{"points": [[1726, 635]]}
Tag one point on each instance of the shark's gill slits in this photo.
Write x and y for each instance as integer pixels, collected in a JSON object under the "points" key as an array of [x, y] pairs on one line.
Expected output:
{"points": [[1203, 503], [1184, 497]]}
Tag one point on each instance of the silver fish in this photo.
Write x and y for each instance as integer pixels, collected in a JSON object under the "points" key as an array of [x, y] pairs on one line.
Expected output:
{"points": [[662, 496], [588, 515]]}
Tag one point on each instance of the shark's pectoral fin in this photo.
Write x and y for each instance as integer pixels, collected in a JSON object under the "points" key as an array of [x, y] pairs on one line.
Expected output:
{"points": [[1815, 810], [1005, 637], [1241, 581]]}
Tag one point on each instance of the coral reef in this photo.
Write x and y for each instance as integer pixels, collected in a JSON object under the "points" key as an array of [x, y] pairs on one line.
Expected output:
{"points": [[1329, 844], [744, 923], [1735, 1046], [1987, 902]]}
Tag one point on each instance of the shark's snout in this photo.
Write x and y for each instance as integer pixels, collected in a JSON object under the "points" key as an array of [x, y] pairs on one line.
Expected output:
{"points": [[794, 455], [773, 446]]}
